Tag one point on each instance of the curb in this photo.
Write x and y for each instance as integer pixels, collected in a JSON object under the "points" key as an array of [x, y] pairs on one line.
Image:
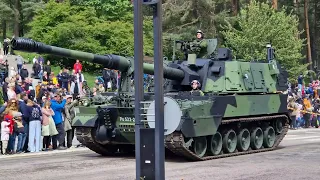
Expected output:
{"points": [[41, 153]]}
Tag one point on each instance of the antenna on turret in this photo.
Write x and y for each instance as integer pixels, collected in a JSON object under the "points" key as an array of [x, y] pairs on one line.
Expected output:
{"points": [[270, 52]]}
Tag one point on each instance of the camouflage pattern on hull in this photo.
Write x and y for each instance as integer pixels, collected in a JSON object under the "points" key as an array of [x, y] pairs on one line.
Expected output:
{"points": [[204, 109]]}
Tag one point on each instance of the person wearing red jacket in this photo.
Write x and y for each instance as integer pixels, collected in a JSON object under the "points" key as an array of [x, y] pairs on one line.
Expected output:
{"points": [[77, 66]]}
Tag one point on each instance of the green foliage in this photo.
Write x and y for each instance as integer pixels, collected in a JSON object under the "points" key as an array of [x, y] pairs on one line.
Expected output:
{"points": [[28, 57], [29, 9], [309, 76], [6, 12], [112, 10], [182, 19], [79, 28], [259, 24]]}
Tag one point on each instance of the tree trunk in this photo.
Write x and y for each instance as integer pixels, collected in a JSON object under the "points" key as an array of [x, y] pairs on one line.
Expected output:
{"points": [[295, 5], [16, 18], [4, 29], [235, 7], [275, 4], [315, 35], [296, 10], [309, 58]]}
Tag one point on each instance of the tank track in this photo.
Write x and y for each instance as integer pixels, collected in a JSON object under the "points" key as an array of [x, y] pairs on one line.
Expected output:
{"points": [[84, 136], [175, 141]]}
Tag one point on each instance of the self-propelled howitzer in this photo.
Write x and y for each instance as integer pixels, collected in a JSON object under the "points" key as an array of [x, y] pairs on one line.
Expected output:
{"points": [[242, 111]]}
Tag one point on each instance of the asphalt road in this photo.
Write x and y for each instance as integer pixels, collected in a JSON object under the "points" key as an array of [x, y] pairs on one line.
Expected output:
{"points": [[297, 158]]}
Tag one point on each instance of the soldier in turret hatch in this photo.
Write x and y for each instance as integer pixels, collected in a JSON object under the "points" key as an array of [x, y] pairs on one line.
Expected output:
{"points": [[195, 84], [199, 45]]}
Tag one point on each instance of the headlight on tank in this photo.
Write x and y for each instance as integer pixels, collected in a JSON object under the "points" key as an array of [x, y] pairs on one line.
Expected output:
{"points": [[85, 103]]}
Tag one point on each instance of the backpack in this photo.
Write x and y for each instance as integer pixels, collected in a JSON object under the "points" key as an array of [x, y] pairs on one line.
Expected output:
{"points": [[35, 113]]}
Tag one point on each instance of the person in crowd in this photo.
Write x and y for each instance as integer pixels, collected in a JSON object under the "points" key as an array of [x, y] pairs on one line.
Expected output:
{"points": [[48, 126], [106, 77], [69, 115], [47, 68], [65, 77], [13, 109], [77, 66], [36, 69], [58, 107], [35, 114], [293, 108], [40, 75], [5, 130], [5, 87], [308, 108], [24, 73], [20, 62], [80, 80], [12, 72], [22, 103], [11, 92], [34, 60], [6, 46], [20, 132], [45, 78]]}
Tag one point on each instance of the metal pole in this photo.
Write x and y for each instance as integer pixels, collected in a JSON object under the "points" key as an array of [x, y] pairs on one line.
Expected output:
{"points": [[158, 81], [138, 79]]}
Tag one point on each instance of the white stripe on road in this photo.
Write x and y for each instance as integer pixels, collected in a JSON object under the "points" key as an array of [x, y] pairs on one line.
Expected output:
{"points": [[44, 153], [300, 138], [312, 140]]}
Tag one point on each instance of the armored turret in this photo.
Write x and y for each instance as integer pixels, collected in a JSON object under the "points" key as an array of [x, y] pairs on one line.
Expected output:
{"points": [[217, 74]]}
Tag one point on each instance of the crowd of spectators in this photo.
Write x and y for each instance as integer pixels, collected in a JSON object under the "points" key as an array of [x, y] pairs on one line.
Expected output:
{"points": [[39, 111], [304, 104]]}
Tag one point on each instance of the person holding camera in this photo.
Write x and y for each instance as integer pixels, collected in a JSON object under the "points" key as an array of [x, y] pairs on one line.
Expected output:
{"points": [[69, 115]]}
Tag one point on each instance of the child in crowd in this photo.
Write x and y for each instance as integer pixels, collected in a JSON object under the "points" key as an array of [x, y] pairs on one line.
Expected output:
{"points": [[5, 130], [19, 129]]}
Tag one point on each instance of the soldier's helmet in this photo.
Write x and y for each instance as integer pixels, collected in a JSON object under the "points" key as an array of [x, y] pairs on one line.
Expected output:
{"points": [[199, 31], [195, 82]]}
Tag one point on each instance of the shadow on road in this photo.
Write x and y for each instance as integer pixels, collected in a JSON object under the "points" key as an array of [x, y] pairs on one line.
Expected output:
{"points": [[170, 157]]}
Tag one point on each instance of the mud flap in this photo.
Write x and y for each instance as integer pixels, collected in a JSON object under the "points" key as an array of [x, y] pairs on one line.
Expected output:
{"points": [[102, 134]]}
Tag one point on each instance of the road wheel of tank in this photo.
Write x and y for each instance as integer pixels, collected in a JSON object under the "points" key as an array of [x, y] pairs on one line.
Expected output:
{"points": [[269, 137], [278, 124], [199, 146], [243, 140], [230, 141], [214, 144], [256, 138]]}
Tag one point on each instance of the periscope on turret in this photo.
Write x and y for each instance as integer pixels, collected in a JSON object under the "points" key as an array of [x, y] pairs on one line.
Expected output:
{"points": [[228, 119]]}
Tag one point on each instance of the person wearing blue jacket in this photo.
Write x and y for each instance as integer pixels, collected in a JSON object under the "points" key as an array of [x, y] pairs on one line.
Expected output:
{"points": [[3, 107], [58, 107]]}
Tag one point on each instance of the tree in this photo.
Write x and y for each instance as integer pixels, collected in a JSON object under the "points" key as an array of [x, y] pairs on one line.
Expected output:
{"points": [[109, 9], [259, 24], [79, 28], [6, 14]]}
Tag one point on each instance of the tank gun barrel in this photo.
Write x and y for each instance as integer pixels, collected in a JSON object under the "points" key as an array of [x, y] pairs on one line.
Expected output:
{"points": [[109, 61]]}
